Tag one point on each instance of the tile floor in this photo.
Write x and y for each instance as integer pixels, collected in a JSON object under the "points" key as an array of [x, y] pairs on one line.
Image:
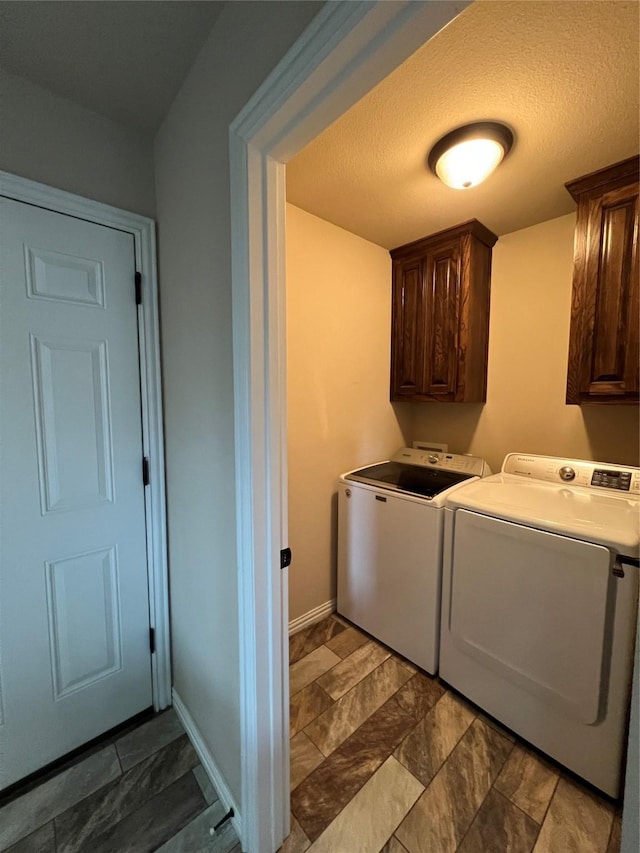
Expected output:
{"points": [[385, 759], [144, 791]]}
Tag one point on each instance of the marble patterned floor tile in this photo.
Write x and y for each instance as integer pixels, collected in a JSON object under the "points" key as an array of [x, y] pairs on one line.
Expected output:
{"points": [[577, 819], [426, 748], [43, 840], [311, 667], [148, 738], [305, 757], [78, 826], [306, 705], [370, 818], [495, 725], [325, 792], [196, 836], [348, 672], [528, 781], [307, 640], [348, 641], [152, 824], [408, 664], [443, 814], [296, 841], [339, 721], [500, 827], [615, 838], [206, 786], [40, 805], [393, 846], [420, 694]]}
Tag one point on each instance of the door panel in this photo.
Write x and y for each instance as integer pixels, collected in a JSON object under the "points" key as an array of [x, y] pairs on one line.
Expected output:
{"points": [[74, 607], [441, 337], [532, 606], [407, 335], [84, 619], [70, 383]]}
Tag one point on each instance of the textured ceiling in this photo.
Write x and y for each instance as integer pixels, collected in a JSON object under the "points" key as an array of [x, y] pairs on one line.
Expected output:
{"points": [[125, 60], [563, 75]]}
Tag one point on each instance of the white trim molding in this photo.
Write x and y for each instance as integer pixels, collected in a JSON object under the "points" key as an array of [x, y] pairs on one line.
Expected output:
{"points": [[206, 759], [312, 616], [142, 230], [346, 50]]}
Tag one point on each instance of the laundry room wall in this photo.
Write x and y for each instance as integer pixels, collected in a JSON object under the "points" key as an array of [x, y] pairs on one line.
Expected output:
{"points": [[339, 414], [55, 141], [525, 411]]}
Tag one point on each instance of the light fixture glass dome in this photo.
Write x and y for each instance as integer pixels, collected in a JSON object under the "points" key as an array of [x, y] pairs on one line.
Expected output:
{"points": [[465, 157]]}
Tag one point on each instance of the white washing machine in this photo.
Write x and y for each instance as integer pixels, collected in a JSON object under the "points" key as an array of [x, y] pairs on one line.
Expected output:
{"points": [[390, 523], [539, 603]]}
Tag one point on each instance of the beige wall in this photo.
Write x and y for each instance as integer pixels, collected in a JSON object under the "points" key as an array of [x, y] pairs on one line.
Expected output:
{"points": [[339, 415], [528, 343], [193, 212], [52, 140]]}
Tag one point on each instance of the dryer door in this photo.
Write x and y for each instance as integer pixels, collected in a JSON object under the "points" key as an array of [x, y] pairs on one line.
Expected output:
{"points": [[532, 606]]}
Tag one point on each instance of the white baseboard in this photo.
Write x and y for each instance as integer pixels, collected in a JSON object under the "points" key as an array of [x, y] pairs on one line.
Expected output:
{"points": [[313, 616], [207, 761]]}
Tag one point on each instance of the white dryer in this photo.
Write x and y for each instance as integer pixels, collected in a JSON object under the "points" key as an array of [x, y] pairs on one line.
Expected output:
{"points": [[539, 603], [390, 523]]}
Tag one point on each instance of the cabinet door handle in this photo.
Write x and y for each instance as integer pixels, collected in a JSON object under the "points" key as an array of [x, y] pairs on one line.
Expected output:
{"points": [[380, 498]]}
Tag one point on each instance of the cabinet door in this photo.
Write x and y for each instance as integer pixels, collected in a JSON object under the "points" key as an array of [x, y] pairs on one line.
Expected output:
{"points": [[441, 320], [407, 334], [603, 356]]}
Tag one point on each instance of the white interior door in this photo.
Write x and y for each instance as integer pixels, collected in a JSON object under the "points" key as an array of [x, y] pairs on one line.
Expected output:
{"points": [[74, 607]]}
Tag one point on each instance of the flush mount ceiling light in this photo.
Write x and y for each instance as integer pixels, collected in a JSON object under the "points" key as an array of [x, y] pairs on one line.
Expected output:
{"points": [[466, 156]]}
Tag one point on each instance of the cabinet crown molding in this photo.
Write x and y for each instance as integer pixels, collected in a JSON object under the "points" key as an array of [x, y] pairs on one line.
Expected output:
{"points": [[472, 226], [607, 178]]}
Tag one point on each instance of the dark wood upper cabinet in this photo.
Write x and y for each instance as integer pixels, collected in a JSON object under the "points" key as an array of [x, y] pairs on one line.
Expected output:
{"points": [[605, 320], [440, 316]]}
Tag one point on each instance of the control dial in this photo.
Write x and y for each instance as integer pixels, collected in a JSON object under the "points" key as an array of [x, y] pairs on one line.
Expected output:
{"points": [[567, 473], [433, 458]]}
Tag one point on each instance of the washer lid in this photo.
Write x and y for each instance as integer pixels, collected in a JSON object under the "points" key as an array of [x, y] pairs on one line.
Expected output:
{"points": [[605, 519], [410, 479]]}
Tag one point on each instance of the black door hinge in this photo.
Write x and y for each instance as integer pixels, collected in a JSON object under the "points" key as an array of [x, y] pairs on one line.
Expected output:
{"points": [[285, 558], [138, 281], [145, 471], [152, 640]]}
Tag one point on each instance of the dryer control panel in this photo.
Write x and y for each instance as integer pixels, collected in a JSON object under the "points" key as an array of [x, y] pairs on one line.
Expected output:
{"points": [[578, 472]]}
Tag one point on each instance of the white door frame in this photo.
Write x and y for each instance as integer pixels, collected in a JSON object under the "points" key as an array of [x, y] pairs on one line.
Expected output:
{"points": [[143, 231], [346, 50]]}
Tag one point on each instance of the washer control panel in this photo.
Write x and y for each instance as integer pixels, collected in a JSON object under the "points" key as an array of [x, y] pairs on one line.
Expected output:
{"points": [[598, 475], [472, 465]]}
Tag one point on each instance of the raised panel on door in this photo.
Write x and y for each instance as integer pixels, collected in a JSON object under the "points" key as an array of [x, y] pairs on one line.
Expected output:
{"points": [[408, 327], [441, 327], [604, 344], [73, 433], [74, 609], [612, 275], [84, 619]]}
